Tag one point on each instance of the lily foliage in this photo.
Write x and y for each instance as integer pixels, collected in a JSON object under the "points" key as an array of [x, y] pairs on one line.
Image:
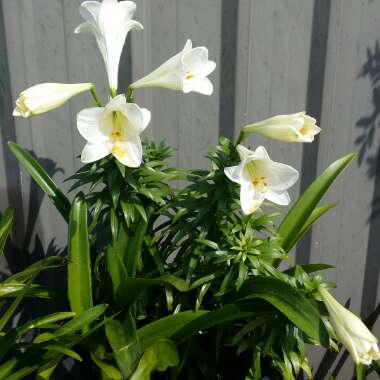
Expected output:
{"points": [[171, 273]]}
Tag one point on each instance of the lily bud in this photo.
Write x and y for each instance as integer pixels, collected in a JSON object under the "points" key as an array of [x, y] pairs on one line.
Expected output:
{"points": [[110, 22], [351, 331], [187, 71], [46, 97], [297, 127]]}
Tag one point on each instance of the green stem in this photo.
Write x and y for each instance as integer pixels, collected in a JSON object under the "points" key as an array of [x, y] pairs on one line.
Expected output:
{"points": [[130, 94], [96, 97], [241, 137], [113, 92]]}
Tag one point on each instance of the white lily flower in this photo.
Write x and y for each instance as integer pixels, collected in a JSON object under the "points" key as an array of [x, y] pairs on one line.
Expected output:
{"points": [[46, 97], [261, 178], [110, 22], [351, 331], [187, 71], [297, 127], [115, 129]]}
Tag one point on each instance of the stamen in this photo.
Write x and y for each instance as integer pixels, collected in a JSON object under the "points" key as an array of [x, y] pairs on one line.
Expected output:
{"points": [[260, 183], [189, 75]]}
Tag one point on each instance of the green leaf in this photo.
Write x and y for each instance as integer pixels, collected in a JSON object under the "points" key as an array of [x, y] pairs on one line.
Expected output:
{"points": [[134, 287], [109, 370], [315, 215], [158, 357], [47, 369], [308, 268], [115, 258], [42, 179], [8, 290], [44, 264], [291, 302], [77, 323], [79, 264], [134, 248], [14, 305], [7, 341], [5, 228], [166, 327], [63, 350], [305, 205], [124, 341]]}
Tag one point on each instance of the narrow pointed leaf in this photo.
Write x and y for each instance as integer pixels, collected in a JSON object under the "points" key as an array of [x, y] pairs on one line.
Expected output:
{"points": [[79, 264], [124, 341], [315, 215], [42, 179], [158, 357], [5, 228], [305, 205]]}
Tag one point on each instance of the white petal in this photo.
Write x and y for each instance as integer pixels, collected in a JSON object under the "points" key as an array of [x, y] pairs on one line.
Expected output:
{"points": [[201, 85], [280, 176], [244, 152], [260, 154], [250, 200], [188, 45], [88, 123], [234, 173], [129, 151], [195, 60], [146, 117], [134, 115], [94, 152], [135, 25], [208, 68], [117, 103], [280, 198], [89, 10]]}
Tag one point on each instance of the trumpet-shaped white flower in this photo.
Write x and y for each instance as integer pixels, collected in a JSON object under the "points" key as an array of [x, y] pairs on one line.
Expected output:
{"points": [[297, 127], [261, 178], [46, 97], [351, 331], [187, 71], [115, 129], [110, 22]]}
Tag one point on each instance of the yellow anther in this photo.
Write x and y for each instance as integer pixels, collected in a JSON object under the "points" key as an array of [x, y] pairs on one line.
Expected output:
{"points": [[189, 76], [260, 183]]}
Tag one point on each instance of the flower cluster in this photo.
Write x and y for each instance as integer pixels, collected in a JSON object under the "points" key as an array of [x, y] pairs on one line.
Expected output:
{"points": [[115, 129]]}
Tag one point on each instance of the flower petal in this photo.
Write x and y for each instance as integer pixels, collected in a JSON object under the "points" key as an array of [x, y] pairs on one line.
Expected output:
{"points": [[146, 118], [234, 173], [244, 152], [88, 123], [260, 154], [117, 103], [280, 176], [94, 152], [201, 85], [129, 151], [209, 67], [250, 200], [280, 198], [195, 60]]}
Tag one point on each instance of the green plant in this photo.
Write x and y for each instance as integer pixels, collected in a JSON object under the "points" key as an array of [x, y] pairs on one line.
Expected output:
{"points": [[166, 282]]}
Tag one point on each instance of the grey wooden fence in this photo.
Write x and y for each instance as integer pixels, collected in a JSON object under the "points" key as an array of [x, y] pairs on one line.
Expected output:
{"points": [[274, 56]]}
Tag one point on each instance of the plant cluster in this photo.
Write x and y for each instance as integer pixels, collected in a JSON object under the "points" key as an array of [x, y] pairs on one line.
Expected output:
{"points": [[167, 281]]}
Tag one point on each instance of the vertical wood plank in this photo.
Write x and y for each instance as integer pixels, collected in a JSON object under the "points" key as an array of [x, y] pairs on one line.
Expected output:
{"points": [[199, 20], [272, 68], [343, 238]]}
